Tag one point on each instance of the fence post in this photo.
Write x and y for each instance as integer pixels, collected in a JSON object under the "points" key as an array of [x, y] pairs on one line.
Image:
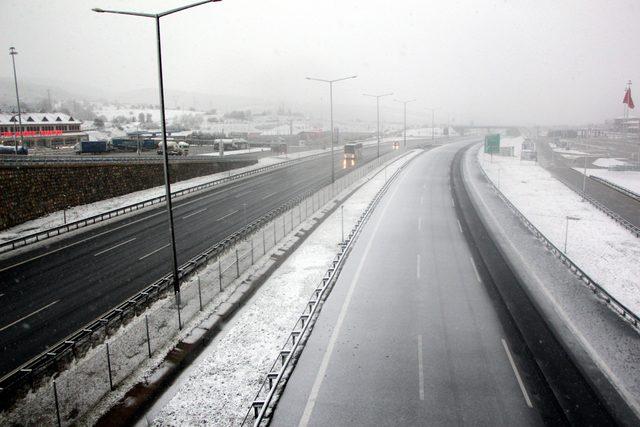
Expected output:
{"points": [[109, 366], [264, 244], [252, 250], [199, 293], [284, 226], [55, 398], [220, 272], [146, 322], [274, 232], [237, 264]]}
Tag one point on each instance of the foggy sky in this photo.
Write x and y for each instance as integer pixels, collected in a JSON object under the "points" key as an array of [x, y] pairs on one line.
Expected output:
{"points": [[508, 62]]}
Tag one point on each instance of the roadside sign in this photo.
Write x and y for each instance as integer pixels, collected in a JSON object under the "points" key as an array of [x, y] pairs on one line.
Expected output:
{"points": [[492, 143]]}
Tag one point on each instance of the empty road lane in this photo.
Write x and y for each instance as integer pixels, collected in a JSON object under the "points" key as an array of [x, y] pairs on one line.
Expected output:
{"points": [[409, 335]]}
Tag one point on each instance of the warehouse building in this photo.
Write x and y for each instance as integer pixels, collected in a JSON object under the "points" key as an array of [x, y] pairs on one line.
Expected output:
{"points": [[41, 129]]}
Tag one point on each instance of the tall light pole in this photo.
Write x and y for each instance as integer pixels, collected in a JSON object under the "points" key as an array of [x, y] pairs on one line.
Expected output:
{"points": [[167, 184], [405, 117], [377, 97], [433, 115], [13, 52], [331, 82]]}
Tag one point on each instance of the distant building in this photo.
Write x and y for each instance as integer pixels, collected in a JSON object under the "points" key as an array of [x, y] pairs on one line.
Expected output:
{"points": [[626, 124], [41, 129]]}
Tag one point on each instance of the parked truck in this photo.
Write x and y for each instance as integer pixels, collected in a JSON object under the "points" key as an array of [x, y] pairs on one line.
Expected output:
{"points": [[92, 147], [174, 148]]}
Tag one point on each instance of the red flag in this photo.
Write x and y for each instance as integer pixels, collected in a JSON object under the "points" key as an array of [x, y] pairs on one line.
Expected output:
{"points": [[627, 99]]}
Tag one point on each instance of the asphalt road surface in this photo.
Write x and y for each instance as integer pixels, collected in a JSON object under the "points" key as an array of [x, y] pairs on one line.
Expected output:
{"points": [[48, 292], [559, 167], [409, 334]]}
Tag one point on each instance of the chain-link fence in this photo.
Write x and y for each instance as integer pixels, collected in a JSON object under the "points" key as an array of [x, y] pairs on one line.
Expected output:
{"points": [[114, 355]]}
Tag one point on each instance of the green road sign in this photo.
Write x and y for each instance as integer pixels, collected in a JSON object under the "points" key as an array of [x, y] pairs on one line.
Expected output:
{"points": [[492, 143]]}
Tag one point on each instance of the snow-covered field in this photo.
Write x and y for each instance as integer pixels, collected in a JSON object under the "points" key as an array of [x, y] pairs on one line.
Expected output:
{"points": [[627, 179], [598, 245], [219, 388]]}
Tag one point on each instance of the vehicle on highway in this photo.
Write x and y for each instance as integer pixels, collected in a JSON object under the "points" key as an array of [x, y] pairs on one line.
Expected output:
{"points": [[92, 147], [5, 149], [353, 151], [184, 148], [396, 145], [174, 148]]}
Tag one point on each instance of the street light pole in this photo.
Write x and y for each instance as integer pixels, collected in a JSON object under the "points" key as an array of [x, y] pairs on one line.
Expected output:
{"points": [[377, 97], [13, 52], [405, 118], [331, 82], [167, 181], [433, 114], [566, 230]]}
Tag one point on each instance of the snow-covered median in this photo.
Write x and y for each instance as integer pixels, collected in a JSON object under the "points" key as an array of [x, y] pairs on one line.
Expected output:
{"points": [[598, 245], [218, 389]]}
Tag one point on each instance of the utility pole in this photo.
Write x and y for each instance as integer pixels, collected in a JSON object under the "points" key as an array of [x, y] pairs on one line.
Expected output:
{"points": [[331, 82], [377, 97], [13, 52], [433, 115], [405, 118]]}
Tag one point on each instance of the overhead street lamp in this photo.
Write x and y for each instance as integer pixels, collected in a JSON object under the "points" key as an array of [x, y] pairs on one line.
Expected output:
{"points": [[331, 82], [405, 117], [433, 114], [167, 184], [13, 52], [377, 97]]}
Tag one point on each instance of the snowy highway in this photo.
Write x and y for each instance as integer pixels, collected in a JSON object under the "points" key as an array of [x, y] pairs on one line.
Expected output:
{"points": [[51, 291], [409, 333], [415, 333]]}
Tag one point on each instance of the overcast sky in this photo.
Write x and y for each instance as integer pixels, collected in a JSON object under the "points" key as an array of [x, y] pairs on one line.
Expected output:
{"points": [[520, 62]]}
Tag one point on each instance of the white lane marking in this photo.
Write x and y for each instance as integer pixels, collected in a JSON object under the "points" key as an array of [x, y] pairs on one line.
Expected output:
{"points": [[194, 213], [420, 368], [418, 266], [108, 231], [1, 295], [269, 195], [227, 215], [475, 269], [29, 315], [115, 246], [419, 224], [313, 396], [517, 374], [81, 241], [459, 225], [453, 202], [151, 253]]}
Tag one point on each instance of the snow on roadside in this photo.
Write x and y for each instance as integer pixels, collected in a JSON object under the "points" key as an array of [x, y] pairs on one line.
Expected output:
{"points": [[220, 388], [76, 213], [598, 245], [234, 152], [606, 162], [627, 179]]}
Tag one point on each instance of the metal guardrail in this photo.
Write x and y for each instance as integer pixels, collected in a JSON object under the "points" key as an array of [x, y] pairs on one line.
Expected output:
{"points": [[616, 306], [12, 160], [611, 214], [617, 187], [266, 398], [79, 342], [56, 231]]}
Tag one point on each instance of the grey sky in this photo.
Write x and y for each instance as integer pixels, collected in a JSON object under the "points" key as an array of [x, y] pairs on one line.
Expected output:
{"points": [[520, 62]]}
